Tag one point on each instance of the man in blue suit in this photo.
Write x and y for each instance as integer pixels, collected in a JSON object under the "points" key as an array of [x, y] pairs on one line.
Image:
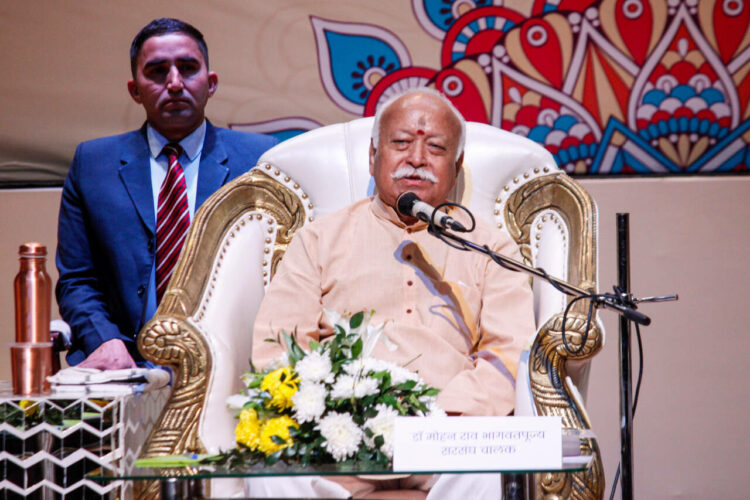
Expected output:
{"points": [[107, 225]]}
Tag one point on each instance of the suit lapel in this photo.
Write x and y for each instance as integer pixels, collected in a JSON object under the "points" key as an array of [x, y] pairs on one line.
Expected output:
{"points": [[213, 172], [135, 173]]}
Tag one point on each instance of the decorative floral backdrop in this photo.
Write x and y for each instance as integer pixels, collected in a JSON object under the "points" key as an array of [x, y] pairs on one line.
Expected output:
{"points": [[607, 86]]}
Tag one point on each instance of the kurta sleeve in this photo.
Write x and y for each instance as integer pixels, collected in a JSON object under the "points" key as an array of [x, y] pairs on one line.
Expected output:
{"points": [[506, 323], [293, 301]]}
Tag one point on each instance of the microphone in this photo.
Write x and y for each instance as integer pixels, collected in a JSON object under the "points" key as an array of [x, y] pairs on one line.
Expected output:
{"points": [[409, 205]]}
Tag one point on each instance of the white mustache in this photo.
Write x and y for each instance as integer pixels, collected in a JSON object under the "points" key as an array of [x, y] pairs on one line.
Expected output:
{"points": [[423, 174]]}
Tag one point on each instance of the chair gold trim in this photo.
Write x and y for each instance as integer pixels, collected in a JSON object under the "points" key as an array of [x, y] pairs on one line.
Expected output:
{"points": [[169, 339], [547, 360]]}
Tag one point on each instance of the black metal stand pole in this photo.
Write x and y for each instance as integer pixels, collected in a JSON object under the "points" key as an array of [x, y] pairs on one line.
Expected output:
{"points": [[626, 376]]}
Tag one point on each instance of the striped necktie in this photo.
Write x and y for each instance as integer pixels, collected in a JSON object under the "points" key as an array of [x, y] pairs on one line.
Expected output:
{"points": [[172, 219]]}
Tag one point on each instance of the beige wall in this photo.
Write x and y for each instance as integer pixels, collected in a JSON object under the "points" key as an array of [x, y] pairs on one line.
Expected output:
{"points": [[687, 236], [25, 215]]}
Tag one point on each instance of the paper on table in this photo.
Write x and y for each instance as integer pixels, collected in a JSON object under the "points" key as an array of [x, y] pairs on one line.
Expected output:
{"points": [[84, 381]]}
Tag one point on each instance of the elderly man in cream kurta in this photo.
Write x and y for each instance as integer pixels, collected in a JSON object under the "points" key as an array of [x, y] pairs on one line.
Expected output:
{"points": [[457, 318]]}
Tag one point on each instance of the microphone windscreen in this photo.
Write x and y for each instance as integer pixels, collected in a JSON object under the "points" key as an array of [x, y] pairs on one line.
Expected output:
{"points": [[405, 202]]}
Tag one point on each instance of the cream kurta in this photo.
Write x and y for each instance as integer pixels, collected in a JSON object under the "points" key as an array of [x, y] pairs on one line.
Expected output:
{"points": [[458, 319]]}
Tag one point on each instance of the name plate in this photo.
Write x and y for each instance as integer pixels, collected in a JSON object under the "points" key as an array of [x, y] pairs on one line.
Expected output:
{"points": [[477, 444]]}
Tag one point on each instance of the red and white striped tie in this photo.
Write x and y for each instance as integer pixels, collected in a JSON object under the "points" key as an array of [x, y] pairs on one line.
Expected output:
{"points": [[172, 219]]}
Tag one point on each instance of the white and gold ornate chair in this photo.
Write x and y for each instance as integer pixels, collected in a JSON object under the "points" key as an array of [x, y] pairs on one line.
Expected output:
{"points": [[202, 328]]}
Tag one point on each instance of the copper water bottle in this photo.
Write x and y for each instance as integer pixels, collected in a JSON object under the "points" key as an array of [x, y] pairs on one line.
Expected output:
{"points": [[32, 290], [31, 354]]}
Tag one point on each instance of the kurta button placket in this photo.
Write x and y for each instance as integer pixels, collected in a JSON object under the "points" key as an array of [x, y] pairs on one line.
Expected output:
{"points": [[408, 292]]}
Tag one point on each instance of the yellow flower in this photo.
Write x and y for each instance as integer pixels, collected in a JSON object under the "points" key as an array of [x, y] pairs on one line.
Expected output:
{"points": [[281, 384], [278, 426], [247, 431], [29, 407]]}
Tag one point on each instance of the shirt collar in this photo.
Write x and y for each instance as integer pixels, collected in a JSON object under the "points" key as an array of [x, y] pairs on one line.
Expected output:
{"points": [[388, 213], [192, 145]]}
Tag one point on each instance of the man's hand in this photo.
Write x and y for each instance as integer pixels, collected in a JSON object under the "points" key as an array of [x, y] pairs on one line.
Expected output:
{"points": [[111, 355]]}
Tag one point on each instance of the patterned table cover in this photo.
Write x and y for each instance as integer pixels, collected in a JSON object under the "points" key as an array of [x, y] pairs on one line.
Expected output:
{"points": [[49, 443]]}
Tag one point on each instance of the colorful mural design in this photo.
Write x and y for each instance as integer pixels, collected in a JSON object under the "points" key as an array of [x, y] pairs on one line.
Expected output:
{"points": [[607, 86]]}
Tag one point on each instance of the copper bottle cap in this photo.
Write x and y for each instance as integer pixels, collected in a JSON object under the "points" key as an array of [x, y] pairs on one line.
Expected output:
{"points": [[32, 249]]}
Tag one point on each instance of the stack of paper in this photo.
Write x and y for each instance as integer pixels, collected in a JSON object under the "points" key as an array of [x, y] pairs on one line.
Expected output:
{"points": [[86, 381]]}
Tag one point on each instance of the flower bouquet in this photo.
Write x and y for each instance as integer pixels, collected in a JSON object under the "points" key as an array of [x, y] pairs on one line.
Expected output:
{"points": [[334, 403]]}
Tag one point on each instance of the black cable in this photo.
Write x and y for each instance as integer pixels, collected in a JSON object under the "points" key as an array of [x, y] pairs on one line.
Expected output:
{"points": [[585, 336], [437, 231], [635, 400]]}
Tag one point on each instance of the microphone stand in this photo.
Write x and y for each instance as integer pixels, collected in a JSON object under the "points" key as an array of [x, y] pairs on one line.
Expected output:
{"points": [[609, 302], [621, 302]]}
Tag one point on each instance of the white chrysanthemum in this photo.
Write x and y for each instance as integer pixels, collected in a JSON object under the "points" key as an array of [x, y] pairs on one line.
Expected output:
{"points": [[309, 402], [347, 386], [364, 386], [343, 388], [382, 424], [314, 367], [342, 435], [433, 409], [375, 365], [356, 367], [399, 375], [365, 366]]}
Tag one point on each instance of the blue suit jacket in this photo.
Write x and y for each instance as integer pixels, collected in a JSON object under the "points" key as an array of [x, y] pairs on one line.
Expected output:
{"points": [[105, 249]]}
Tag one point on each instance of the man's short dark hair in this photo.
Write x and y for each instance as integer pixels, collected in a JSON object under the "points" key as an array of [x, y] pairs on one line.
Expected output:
{"points": [[162, 26]]}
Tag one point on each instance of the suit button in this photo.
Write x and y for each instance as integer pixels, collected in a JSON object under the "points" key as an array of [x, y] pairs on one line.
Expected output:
{"points": [[151, 245], [141, 290]]}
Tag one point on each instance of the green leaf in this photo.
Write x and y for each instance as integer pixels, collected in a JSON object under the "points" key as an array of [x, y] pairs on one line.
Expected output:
{"points": [[273, 457], [363, 454], [379, 440], [278, 439], [389, 400], [357, 348], [356, 320], [314, 345], [407, 386]]}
